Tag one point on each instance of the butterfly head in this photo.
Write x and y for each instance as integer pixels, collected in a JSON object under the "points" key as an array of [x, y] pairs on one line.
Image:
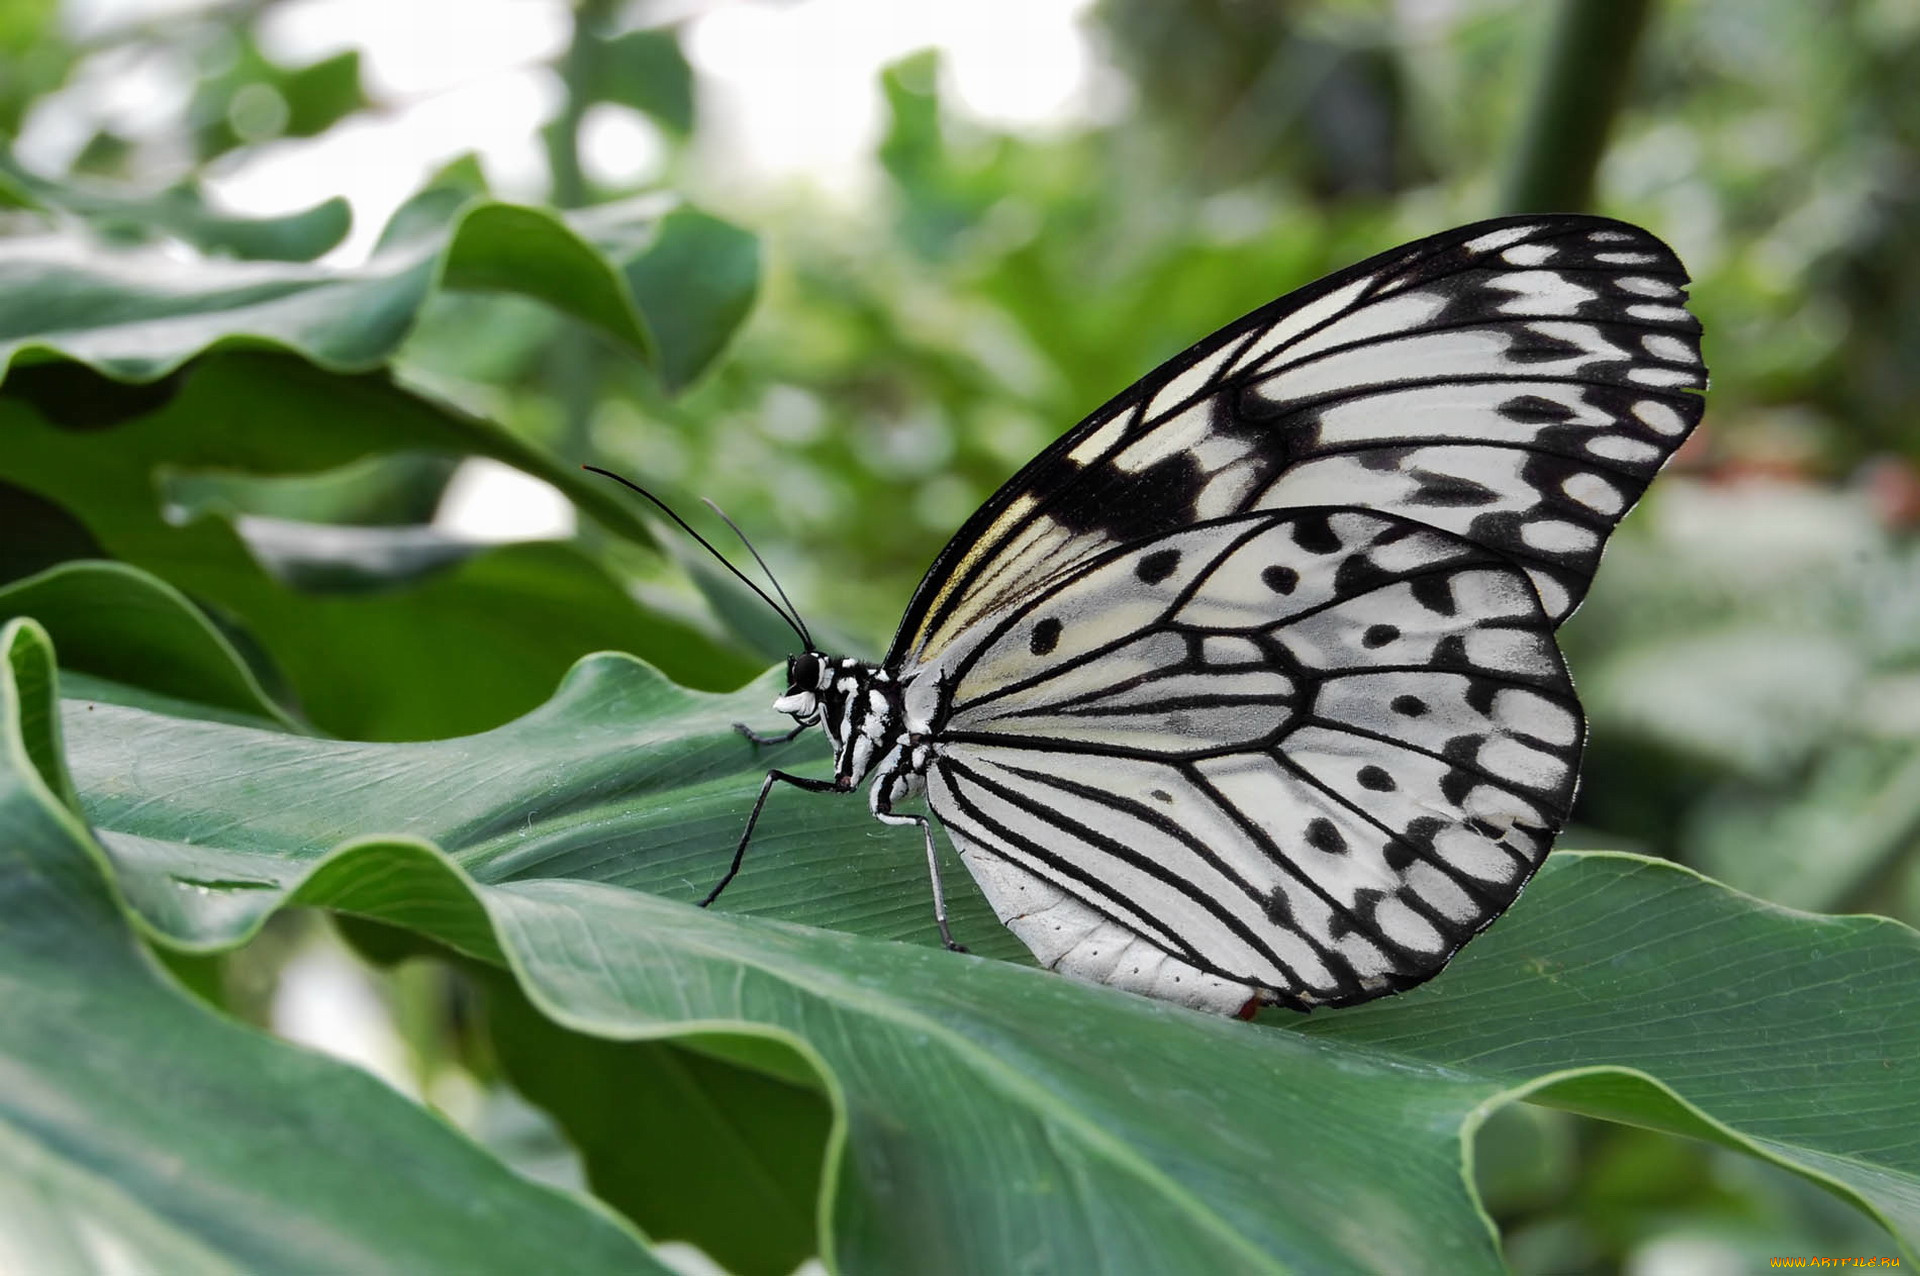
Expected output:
{"points": [[807, 676]]}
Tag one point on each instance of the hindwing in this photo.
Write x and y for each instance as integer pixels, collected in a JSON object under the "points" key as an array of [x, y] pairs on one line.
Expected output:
{"points": [[1301, 756]]}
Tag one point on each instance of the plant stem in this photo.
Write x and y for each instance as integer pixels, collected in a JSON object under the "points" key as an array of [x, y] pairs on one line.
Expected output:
{"points": [[1583, 79], [573, 365]]}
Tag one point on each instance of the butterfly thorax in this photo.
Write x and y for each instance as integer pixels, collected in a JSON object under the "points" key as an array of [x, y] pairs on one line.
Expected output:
{"points": [[862, 708]]}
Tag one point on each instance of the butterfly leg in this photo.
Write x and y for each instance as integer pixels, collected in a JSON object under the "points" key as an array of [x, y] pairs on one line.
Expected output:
{"points": [[746, 834], [757, 738], [888, 816]]}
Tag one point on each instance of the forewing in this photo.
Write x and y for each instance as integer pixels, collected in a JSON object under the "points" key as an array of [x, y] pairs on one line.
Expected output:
{"points": [[1517, 382], [1307, 754]]}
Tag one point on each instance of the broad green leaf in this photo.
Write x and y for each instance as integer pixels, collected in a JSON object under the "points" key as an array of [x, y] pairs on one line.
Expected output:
{"points": [[696, 280], [998, 1118], [399, 490], [206, 418], [181, 211], [257, 100], [119, 623], [657, 1125], [38, 534], [326, 558], [141, 1132], [322, 93], [461, 650], [647, 71], [138, 313], [621, 777], [1639, 991]]}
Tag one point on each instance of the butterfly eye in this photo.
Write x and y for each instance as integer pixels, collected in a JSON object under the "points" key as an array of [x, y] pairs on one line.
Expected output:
{"points": [[803, 673]]}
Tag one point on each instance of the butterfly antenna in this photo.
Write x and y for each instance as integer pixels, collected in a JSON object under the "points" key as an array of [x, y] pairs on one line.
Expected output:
{"points": [[772, 579], [799, 629]]}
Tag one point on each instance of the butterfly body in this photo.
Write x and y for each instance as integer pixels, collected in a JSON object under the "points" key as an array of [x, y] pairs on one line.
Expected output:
{"points": [[861, 708], [1246, 689]]}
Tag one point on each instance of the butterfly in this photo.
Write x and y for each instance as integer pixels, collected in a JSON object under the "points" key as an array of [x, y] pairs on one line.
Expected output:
{"points": [[1245, 691]]}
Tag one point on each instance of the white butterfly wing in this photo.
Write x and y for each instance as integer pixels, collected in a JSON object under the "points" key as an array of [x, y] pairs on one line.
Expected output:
{"points": [[1517, 382], [1301, 756]]}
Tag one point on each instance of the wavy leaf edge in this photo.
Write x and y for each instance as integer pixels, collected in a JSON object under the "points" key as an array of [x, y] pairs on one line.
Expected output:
{"points": [[327, 882], [402, 246]]}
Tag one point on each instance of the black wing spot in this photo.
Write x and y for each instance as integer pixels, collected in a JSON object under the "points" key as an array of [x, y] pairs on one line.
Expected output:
{"points": [[1450, 490], [1160, 795], [1157, 566], [1046, 636], [1281, 580], [1530, 345], [1402, 851], [1451, 653], [1359, 575], [1314, 533], [1455, 785], [1323, 836], [1409, 706], [1422, 830], [1384, 460], [1279, 910], [1366, 902], [1480, 695], [1531, 409], [1435, 593], [1379, 635], [1376, 778], [1126, 506]]}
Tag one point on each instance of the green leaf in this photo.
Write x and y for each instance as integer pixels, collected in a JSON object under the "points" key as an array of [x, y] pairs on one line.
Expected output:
{"points": [[997, 1117], [38, 534], [119, 623], [1638, 991], [140, 1131], [462, 650], [180, 211], [696, 280], [402, 489], [139, 313], [647, 71], [255, 99], [659, 1125], [206, 418], [621, 777], [322, 93]]}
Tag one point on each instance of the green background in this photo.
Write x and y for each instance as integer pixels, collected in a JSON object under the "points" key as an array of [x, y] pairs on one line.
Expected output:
{"points": [[260, 711]]}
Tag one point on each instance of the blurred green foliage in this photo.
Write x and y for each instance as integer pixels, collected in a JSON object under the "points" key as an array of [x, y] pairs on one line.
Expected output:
{"points": [[1749, 658]]}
